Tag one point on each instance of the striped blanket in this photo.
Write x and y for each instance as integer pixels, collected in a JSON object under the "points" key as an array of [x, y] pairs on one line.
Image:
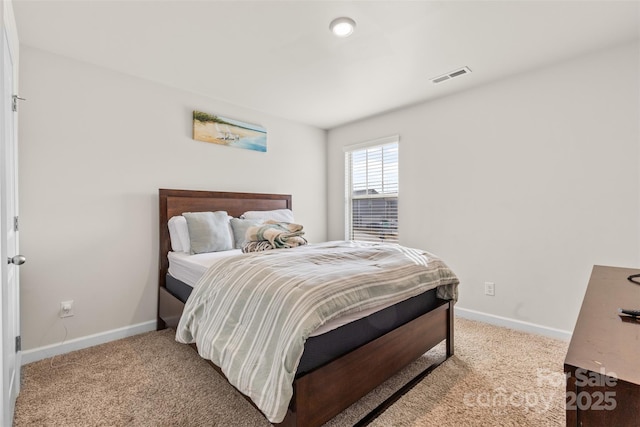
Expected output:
{"points": [[251, 314], [273, 235]]}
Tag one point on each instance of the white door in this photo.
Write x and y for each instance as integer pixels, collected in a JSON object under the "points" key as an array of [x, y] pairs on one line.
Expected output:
{"points": [[9, 306]]}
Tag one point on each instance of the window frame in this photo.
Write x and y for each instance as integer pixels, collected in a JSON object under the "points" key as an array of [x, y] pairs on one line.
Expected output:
{"points": [[349, 197]]}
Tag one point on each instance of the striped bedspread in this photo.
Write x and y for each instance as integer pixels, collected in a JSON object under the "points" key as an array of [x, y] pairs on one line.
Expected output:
{"points": [[251, 314]]}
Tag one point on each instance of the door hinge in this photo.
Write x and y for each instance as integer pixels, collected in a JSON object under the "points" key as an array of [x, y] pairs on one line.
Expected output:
{"points": [[16, 98], [18, 343], [15, 223]]}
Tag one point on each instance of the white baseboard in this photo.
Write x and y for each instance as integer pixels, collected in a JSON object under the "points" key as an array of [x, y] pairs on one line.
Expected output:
{"points": [[513, 323], [45, 352]]}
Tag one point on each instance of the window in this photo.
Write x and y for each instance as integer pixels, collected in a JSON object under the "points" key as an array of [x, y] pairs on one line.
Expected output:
{"points": [[372, 191]]}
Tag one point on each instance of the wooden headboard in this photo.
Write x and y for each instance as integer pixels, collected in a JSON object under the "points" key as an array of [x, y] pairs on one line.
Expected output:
{"points": [[175, 202]]}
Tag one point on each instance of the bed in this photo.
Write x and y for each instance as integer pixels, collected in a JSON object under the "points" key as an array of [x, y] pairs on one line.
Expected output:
{"points": [[334, 372]]}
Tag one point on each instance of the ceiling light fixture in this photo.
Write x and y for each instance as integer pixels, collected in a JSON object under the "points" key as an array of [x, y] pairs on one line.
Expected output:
{"points": [[342, 27]]}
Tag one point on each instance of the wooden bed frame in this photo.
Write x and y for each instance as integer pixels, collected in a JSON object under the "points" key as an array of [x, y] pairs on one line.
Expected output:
{"points": [[323, 393]]}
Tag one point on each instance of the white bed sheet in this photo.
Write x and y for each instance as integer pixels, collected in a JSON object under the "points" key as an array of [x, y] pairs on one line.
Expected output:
{"points": [[190, 268]]}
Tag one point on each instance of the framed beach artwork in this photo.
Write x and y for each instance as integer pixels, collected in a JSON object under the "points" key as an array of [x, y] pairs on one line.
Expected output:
{"points": [[225, 131]]}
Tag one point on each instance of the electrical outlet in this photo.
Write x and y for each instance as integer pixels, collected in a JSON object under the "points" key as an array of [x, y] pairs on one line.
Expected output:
{"points": [[66, 309], [489, 288]]}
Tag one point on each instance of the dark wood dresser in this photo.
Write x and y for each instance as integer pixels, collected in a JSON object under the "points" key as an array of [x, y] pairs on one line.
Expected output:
{"points": [[603, 360]]}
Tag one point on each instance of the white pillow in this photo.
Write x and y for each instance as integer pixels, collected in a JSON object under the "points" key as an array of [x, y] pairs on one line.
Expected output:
{"points": [[179, 234], [280, 215]]}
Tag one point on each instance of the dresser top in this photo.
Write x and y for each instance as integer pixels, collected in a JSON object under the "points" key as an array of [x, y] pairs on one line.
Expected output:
{"points": [[602, 341]]}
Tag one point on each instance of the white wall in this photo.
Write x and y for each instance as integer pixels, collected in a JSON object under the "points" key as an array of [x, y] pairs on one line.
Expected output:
{"points": [[527, 182], [95, 146]]}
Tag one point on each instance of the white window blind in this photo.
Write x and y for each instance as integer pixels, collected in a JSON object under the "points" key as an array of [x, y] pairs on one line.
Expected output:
{"points": [[372, 191]]}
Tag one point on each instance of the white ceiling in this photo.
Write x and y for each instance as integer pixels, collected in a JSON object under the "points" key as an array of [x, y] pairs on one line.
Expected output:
{"points": [[279, 56]]}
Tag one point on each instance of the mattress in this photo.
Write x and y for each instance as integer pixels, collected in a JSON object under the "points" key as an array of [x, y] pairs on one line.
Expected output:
{"points": [[321, 348], [188, 269], [331, 340]]}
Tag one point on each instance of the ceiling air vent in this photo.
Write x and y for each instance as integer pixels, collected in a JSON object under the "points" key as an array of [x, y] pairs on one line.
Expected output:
{"points": [[460, 72]]}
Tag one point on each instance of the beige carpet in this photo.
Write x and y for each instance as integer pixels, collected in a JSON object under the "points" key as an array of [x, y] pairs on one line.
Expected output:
{"points": [[498, 377]]}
